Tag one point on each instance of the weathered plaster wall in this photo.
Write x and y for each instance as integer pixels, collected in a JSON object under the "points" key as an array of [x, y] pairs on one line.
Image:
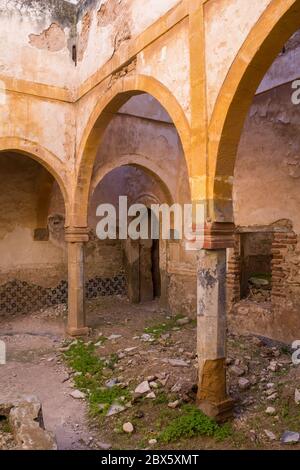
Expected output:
{"points": [[284, 69], [154, 145], [266, 180], [168, 61], [50, 124], [104, 25], [36, 40], [227, 24], [23, 258], [266, 191]]}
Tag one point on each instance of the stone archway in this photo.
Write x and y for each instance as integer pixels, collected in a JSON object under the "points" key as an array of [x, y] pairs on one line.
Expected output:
{"points": [[101, 116], [33, 257], [278, 22]]}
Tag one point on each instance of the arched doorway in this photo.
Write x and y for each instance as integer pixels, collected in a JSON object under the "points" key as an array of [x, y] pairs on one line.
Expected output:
{"points": [[140, 263], [33, 271], [134, 128]]}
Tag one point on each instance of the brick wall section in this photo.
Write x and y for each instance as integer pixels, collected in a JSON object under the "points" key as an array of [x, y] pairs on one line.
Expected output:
{"points": [[234, 273], [282, 243]]}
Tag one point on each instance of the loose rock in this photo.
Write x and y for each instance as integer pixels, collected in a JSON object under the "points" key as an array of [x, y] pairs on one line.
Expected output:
{"points": [[270, 435], [244, 384], [143, 388], [128, 428], [290, 437], [78, 395]]}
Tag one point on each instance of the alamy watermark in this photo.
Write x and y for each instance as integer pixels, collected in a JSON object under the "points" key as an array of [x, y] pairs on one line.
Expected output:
{"points": [[2, 353], [2, 93], [296, 353], [159, 221], [296, 92]]}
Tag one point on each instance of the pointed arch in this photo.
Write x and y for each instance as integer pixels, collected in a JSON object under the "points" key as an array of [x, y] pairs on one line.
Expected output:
{"points": [[47, 159], [100, 118], [265, 41]]}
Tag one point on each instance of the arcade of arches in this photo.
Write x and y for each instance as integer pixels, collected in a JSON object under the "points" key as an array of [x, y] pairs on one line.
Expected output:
{"points": [[183, 101]]}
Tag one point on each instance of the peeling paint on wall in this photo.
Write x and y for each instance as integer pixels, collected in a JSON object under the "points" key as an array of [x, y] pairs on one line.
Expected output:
{"points": [[53, 39], [84, 35]]}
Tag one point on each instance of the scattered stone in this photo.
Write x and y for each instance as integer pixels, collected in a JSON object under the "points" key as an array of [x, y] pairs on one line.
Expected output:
{"points": [[147, 338], [270, 410], [152, 442], [183, 321], [115, 409], [238, 371], [143, 388], [270, 392], [104, 446], [244, 384], [153, 385], [270, 385], [111, 383], [165, 336], [253, 380], [151, 378], [163, 381], [114, 337], [176, 388], [174, 404], [259, 282], [290, 437], [78, 395], [129, 350], [178, 363], [273, 367], [297, 396], [128, 428], [270, 435], [272, 397], [151, 395]]}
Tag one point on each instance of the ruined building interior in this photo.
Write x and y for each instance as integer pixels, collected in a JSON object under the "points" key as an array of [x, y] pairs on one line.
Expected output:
{"points": [[162, 101]]}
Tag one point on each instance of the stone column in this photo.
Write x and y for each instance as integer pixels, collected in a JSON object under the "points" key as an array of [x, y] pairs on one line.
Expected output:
{"points": [[76, 238], [212, 395]]}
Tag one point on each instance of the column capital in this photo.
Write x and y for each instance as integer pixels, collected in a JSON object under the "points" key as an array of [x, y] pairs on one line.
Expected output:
{"points": [[76, 234], [218, 235]]}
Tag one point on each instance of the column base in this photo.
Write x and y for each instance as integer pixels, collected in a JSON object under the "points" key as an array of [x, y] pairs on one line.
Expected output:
{"points": [[72, 331], [221, 412]]}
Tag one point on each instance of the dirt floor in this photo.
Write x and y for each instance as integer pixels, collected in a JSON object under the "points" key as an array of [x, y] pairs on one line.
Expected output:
{"points": [[142, 343]]}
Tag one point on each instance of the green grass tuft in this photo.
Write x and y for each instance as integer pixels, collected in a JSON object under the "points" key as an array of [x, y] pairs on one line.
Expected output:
{"points": [[161, 328], [193, 423], [81, 358]]}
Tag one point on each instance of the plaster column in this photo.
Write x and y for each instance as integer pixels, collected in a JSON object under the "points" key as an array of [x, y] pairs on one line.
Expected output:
{"points": [[76, 238], [212, 395]]}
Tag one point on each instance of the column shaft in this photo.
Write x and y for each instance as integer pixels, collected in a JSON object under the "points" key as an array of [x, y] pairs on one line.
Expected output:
{"points": [[76, 282], [211, 334]]}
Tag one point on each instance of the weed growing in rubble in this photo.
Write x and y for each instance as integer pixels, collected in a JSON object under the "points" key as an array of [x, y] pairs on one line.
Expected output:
{"points": [[191, 423], [162, 328], [81, 357]]}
